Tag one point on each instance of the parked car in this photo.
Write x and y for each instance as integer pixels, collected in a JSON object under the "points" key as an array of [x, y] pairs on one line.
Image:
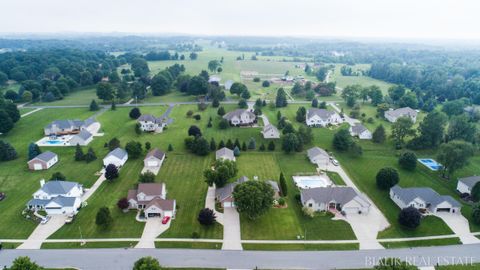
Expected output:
{"points": [[2, 196], [335, 162], [165, 219], [69, 219], [45, 220]]}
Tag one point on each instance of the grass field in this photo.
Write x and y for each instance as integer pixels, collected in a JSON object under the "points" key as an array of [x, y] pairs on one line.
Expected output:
{"points": [[423, 243], [119, 244], [82, 96], [364, 81], [194, 245], [293, 247]]}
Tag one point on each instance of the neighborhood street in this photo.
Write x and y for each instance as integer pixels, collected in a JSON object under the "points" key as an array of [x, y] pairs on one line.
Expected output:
{"points": [[87, 259]]}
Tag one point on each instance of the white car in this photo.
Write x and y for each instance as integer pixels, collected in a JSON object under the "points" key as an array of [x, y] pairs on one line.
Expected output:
{"points": [[334, 162], [45, 220]]}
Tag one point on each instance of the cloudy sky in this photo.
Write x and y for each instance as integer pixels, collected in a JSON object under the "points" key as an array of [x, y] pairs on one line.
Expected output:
{"points": [[444, 19]]}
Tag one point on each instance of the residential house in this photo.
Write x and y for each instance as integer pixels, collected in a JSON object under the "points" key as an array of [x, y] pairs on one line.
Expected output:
{"points": [[154, 158], [424, 199], [43, 161], [276, 189], [224, 195], [466, 184], [82, 138], [228, 84], [225, 154], [214, 79], [270, 132], [322, 118], [360, 131], [150, 123], [57, 197], [152, 199], [65, 127], [117, 157], [318, 156], [344, 199], [393, 115], [241, 117]]}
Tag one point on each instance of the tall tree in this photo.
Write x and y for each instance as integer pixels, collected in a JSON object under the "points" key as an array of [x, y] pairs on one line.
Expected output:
{"points": [[454, 155], [253, 198], [401, 129]]}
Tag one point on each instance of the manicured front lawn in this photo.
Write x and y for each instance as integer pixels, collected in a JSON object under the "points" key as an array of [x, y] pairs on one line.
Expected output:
{"points": [[300, 247], [119, 244], [194, 245], [82, 96], [423, 243], [336, 178]]}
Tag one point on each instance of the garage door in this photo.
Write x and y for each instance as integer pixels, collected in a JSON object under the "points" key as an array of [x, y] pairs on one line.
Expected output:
{"points": [[227, 204], [152, 164], [443, 209], [350, 210], [37, 166]]}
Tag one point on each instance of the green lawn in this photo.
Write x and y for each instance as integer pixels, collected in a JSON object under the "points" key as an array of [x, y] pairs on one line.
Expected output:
{"points": [[423, 243], [292, 247], [365, 81], [194, 245], [25, 110], [119, 244], [19, 183], [336, 178], [82, 96]]}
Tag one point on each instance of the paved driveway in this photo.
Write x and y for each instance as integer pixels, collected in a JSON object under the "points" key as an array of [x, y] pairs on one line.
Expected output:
{"points": [[231, 229], [459, 225], [42, 232], [210, 203], [153, 228]]}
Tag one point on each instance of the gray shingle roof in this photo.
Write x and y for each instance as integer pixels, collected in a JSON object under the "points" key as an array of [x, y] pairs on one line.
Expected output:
{"points": [[155, 153], [274, 185], [224, 152], [270, 127], [69, 124], [35, 202], [227, 190], [316, 151], [118, 153], [359, 128], [84, 135], [58, 187], [322, 113], [238, 113], [405, 111], [46, 156], [341, 195], [64, 201], [428, 195], [470, 181], [150, 118]]}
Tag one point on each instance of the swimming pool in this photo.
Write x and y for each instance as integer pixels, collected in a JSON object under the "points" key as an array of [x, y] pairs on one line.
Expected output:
{"points": [[430, 163], [54, 142], [312, 181]]}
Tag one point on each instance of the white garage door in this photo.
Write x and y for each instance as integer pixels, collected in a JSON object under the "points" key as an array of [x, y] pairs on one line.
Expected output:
{"points": [[227, 204], [152, 164], [37, 166], [350, 210]]}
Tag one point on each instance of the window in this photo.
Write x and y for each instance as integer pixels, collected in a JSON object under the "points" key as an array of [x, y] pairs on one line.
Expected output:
{"points": [[310, 205]]}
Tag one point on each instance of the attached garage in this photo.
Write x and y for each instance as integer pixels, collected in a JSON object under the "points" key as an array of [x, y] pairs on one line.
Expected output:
{"points": [[37, 166], [228, 204], [152, 163], [444, 210]]}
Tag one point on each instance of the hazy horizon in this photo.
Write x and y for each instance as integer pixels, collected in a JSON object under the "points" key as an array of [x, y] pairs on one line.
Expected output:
{"points": [[342, 19]]}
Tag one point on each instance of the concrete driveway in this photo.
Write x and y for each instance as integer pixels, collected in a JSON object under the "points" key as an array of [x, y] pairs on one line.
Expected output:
{"points": [[459, 225], [42, 232], [231, 229], [153, 228], [210, 203]]}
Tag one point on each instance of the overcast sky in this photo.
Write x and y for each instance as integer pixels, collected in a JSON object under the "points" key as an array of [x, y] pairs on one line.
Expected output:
{"points": [[444, 19]]}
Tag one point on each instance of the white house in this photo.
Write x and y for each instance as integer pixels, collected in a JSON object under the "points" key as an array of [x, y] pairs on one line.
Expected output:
{"points": [[270, 132], [322, 118], [63, 127], [466, 184], [151, 198], [43, 161], [82, 138], [57, 197], [117, 157], [241, 117], [224, 154], [424, 199], [150, 123], [341, 199], [154, 158], [318, 156], [360, 131], [393, 115]]}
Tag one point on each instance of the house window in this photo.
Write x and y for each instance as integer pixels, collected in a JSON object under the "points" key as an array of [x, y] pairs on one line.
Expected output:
{"points": [[310, 205]]}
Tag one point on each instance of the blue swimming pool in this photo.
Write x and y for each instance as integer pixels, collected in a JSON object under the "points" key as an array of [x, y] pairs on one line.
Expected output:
{"points": [[54, 142], [430, 163]]}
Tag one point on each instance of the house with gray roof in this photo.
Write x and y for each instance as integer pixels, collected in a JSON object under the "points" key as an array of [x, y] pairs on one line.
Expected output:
{"points": [[43, 161], [270, 132], [117, 157], [82, 138], [318, 156], [224, 196], [424, 199], [240, 117], [150, 123], [335, 199], [393, 115], [65, 127], [154, 158], [275, 187], [57, 197], [360, 131], [152, 199], [466, 184], [225, 154], [322, 118]]}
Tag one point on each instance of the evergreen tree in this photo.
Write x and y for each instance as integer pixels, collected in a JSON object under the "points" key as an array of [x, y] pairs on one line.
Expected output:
{"points": [[281, 98], [94, 105], [215, 103], [221, 111], [236, 151], [213, 145], [271, 146], [378, 135], [113, 106], [148, 145], [237, 143], [229, 144], [252, 144], [262, 147], [7, 152], [138, 129], [170, 148], [90, 156], [111, 172], [79, 155], [283, 185], [33, 151], [244, 146], [221, 144], [315, 103]]}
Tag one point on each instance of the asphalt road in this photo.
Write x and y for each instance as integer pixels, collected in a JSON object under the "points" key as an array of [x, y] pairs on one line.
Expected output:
{"points": [[124, 258]]}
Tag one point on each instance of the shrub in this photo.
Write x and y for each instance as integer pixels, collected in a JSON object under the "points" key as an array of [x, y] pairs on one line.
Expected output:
{"points": [[202, 106], [271, 146], [195, 235], [309, 212], [147, 177], [189, 113], [197, 117], [147, 263], [256, 79], [236, 151], [265, 83], [387, 177], [476, 213], [408, 161], [281, 201], [123, 203], [206, 217], [135, 113], [215, 103], [111, 172], [103, 219], [223, 124], [221, 111], [410, 217], [170, 148], [262, 147]]}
